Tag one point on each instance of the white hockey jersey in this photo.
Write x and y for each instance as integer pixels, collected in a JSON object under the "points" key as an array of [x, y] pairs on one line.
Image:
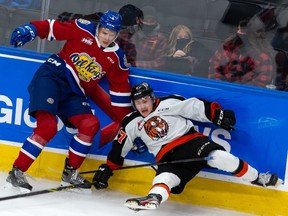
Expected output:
{"points": [[165, 128]]}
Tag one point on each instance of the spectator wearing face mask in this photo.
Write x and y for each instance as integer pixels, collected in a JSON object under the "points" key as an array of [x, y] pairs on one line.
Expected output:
{"points": [[132, 18], [150, 43], [185, 55]]}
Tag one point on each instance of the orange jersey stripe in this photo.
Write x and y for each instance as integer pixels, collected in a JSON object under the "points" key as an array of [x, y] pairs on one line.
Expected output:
{"points": [[177, 142], [163, 186], [243, 170]]}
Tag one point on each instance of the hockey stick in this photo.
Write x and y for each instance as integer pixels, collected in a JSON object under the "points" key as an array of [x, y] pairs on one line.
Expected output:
{"points": [[158, 164], [49, 190], [62, 188]]}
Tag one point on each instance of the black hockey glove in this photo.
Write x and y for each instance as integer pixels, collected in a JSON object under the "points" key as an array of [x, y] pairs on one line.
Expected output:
{"points": [[225, 119], [101, 177]]}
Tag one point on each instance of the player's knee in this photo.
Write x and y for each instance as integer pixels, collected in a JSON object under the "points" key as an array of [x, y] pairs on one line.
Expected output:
{"points": [[223, 160], [89, 125], [46, 125], [51, 128]]}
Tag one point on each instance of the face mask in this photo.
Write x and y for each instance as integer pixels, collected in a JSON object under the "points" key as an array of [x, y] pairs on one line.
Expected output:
{"points": [[181, 43], [147, 29]]}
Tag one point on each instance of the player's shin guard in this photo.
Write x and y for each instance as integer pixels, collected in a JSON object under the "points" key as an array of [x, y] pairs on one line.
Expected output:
{"points": [[28, 154], [78, 151], [227, 162], [163, 183]]}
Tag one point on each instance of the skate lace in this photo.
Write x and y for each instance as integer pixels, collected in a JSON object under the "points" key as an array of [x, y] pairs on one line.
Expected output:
{"points": [[76, 178], [264, 178], [20, 177]]}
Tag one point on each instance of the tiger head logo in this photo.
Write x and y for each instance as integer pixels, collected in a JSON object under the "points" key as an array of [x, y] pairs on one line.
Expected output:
{"points": [[156, 128]]}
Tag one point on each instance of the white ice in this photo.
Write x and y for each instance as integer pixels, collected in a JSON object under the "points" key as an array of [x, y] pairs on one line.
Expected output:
{"points": [[103, 202]]}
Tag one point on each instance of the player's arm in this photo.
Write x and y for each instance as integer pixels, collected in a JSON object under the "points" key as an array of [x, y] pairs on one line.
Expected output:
{"points": [[215, 113], [204, 111], [50, 29], [114, 161], [121, 145], [119, 87]]}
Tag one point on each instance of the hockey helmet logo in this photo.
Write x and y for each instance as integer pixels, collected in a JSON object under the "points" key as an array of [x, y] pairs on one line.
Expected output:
{"points": [[156, 128], [87, 67]]}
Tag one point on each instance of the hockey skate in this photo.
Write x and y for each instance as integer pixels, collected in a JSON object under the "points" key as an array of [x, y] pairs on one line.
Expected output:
{"points": [[71, 176], [150, 202], [267, 179], [18, 179]]}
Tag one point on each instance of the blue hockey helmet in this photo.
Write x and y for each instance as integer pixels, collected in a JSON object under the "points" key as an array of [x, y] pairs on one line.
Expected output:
{"points": [[111, 20]]}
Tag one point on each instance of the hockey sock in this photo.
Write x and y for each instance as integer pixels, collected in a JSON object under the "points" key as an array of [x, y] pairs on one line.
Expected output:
{"points": [[163, 183], [77, 152], [227, 162], [246, 172], [161, 189], [28, 154]]}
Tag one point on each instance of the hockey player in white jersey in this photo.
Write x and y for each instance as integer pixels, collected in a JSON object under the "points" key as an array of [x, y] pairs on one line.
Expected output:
{"points": [[165, 125]]}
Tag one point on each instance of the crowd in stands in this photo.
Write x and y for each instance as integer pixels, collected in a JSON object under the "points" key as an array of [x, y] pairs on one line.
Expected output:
{"points": [[241, 58]]}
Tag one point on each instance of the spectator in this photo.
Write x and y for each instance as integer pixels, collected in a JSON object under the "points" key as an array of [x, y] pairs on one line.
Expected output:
{"points": [[150, 43], [184, 54], [132, 18], [243, 58], [280, 44]]}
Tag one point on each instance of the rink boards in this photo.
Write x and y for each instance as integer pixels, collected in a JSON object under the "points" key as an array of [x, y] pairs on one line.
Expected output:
{"points": [[259, 138], [205, 190]]}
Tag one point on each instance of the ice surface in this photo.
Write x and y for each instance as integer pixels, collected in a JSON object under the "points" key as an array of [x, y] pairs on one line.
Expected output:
{"points": [[103, 202]]}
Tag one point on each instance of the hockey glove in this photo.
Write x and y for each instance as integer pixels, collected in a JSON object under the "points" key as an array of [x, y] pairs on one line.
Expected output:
{"points": [[101, 177], [224, 118], [23, 34], [139, 146]]}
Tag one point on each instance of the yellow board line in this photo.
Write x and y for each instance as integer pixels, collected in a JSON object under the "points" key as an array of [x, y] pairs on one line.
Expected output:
{"points": [[200, 191]]}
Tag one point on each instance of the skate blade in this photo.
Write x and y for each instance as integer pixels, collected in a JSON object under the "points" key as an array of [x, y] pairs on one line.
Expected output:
{"points": [[77, 189], [8, 186], [135, 207]]}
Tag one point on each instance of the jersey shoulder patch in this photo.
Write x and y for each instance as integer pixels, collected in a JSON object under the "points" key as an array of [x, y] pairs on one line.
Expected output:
{"points": [[86, 25], [122, 58]]}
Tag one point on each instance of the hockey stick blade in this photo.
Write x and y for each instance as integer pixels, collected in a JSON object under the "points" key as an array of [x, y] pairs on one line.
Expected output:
{"points": [[157, 164], [49, 190]]}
